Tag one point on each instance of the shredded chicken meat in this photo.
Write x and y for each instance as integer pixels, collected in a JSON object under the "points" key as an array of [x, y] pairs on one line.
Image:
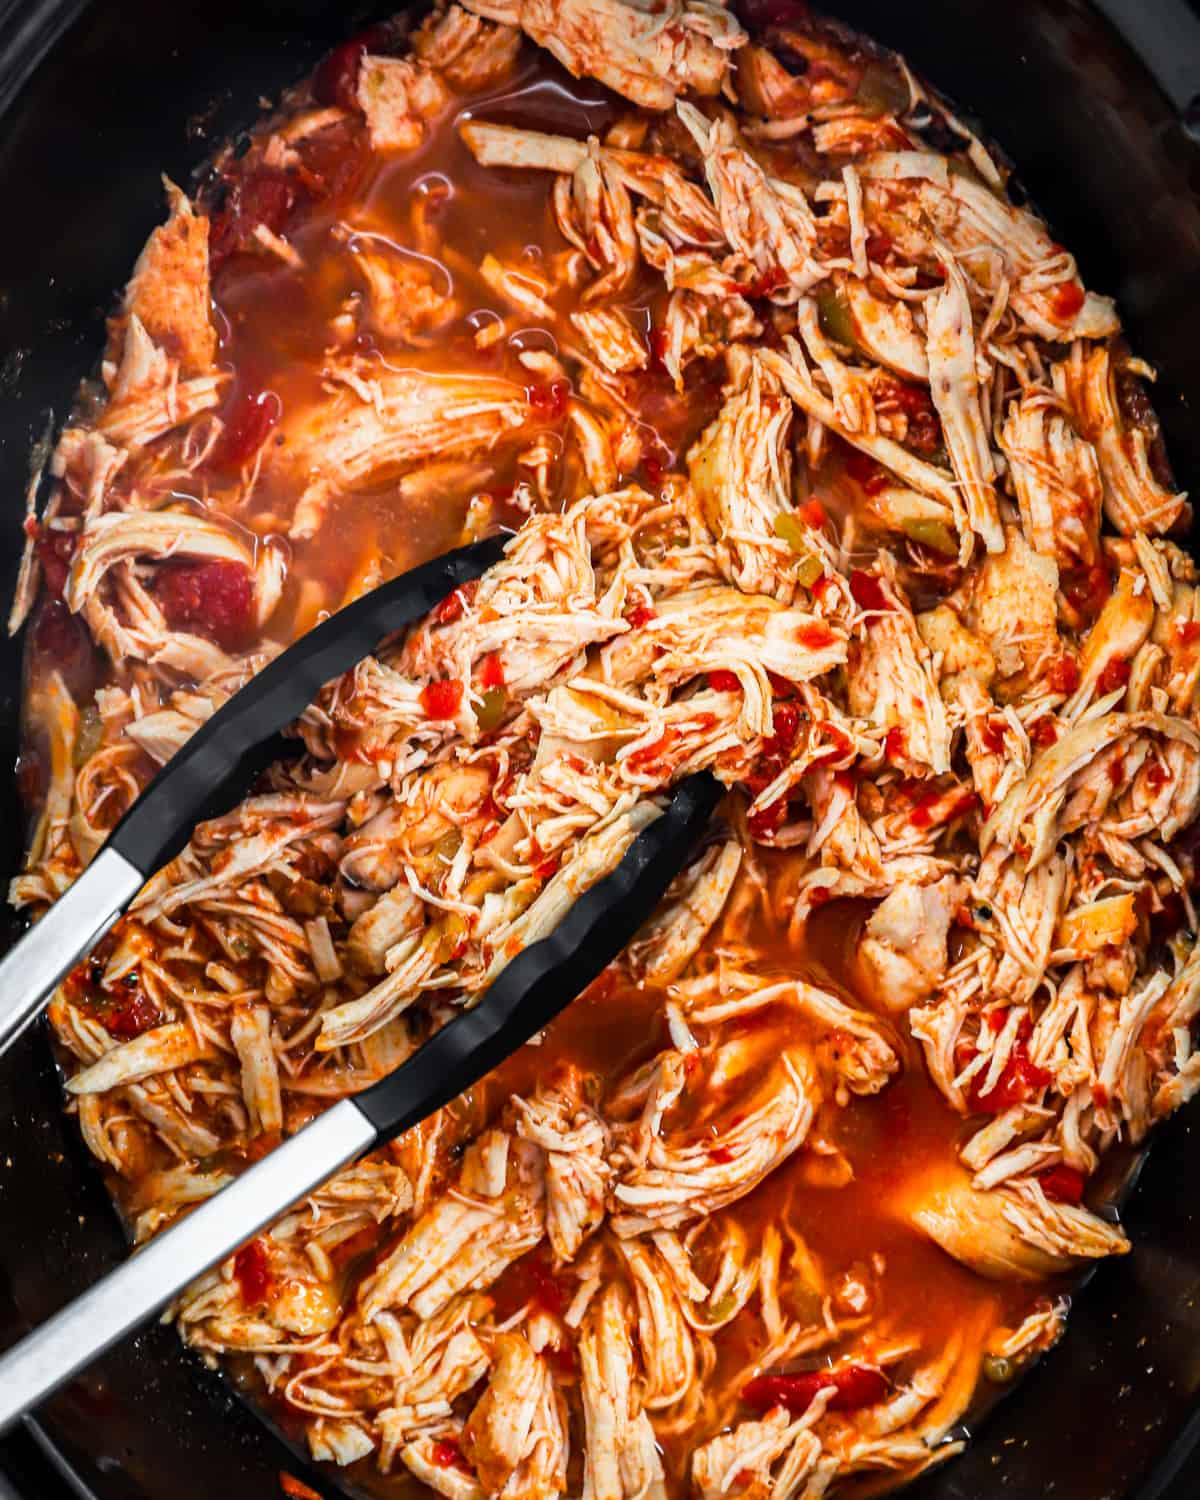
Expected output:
{"points": [[821, 469]]}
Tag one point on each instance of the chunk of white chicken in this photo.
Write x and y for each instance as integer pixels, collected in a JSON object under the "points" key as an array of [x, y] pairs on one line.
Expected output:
{"points": [[767, 220], [954, 386], [890, 682], [646, 55], [516, 1436], [470, 53], [400, 99], [576, 1142], [467, 1237], [903, 947], [670, 940], [621, 1461], [382, 422], [1134, 500], [677, 1182], [1056, 476]]}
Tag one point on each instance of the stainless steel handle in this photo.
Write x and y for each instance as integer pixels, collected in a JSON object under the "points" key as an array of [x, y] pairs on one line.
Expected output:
{"points": [[132, 1293], [77, 920]]}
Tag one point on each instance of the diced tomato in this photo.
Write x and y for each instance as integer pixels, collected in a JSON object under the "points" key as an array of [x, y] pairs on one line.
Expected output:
{"points": [[450, 609], [263, 196], [441, 700], [1019, 1080], [1063, 1183], [1188, 632], [247, 427], [491, 671], [879, 247], [532, 1279], [854, 1387], [335, 81], [867, 592], [723, 682], [992, 736], [252, 1272], [1157, 776], [210, 597], [639, 615], [722, 1155], [60, 639], [768, 820], [1067, 298], [131, 1018], [924, 426], [1063, 675], [894, 743], [55, 550], [785, 727], [550, 399], [1045, 731], [448, 1455], [1114, 676], [813, 514]]}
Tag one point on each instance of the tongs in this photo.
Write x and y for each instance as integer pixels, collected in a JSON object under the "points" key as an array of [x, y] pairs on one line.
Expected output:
{"points": [[208, 776]]}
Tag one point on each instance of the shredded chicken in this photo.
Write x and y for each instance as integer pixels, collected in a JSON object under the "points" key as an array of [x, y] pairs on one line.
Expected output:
{"points": [[820, 469]]}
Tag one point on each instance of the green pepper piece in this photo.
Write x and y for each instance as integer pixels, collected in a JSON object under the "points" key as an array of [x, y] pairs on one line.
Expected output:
{"points": [[935, 535], [788, 529], [833, 314], [490, 712]]}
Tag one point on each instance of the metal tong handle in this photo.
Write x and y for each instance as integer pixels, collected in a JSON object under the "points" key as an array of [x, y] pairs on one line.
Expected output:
{"points": [[212, 770], [538, 983]]}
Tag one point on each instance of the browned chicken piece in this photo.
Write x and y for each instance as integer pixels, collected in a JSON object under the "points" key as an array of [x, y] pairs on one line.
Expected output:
{"points": [[169, 289], [648, 56]]}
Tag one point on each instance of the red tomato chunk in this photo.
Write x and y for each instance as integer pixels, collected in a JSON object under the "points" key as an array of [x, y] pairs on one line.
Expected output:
{"points": [[854, 1387]]}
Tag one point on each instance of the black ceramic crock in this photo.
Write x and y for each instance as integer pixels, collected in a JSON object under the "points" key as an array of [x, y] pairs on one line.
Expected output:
{"points": [[96, 100]]}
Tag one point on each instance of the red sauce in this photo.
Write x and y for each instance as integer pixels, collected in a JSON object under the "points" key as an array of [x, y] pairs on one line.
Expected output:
{"points": [[1063, 676], [816, 637], [1067, 299], [55, 551], [723, 682], [447, 1454]]}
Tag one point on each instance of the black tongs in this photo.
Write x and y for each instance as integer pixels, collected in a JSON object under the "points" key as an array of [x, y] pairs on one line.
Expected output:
{"points": [[208, 776]]}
